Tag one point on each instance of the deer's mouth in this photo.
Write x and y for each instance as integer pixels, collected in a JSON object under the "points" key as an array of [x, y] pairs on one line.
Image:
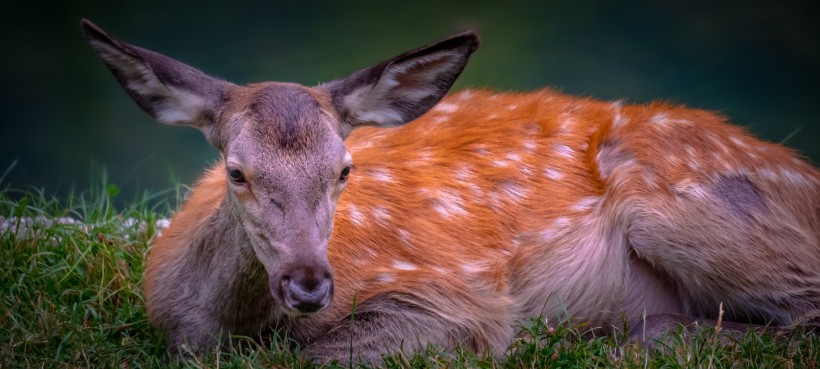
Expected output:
{"points": [[303, 293]]}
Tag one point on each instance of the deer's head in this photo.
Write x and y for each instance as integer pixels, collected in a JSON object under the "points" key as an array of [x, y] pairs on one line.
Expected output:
{"points": [[283, 144]]}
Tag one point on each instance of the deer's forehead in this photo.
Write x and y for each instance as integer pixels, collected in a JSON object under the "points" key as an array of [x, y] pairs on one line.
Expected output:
{"points": [[286, 118], [285, 137]]}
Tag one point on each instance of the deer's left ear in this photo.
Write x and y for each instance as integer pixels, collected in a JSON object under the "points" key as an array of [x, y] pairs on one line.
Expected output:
{"points": [[401, 89]]}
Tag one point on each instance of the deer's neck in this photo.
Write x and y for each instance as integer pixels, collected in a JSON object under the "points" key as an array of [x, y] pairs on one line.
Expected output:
{"points": [[234, 282]]}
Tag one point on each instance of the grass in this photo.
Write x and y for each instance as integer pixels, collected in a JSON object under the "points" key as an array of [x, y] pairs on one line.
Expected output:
{"points": [[71, 297]]}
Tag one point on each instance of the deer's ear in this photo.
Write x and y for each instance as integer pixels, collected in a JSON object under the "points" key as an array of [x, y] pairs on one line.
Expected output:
{"points": [[170, 91], [401, 89]]}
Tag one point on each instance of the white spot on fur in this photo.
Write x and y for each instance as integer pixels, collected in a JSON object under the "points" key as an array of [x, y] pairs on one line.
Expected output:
{"points": [[659, 118], [662, 119], [481, 149], [500, 163], [618, 119], [370, 251], [553, 174], [793, 176], [473, 268], [425, 155], [586, 203], [515, 242], [445, 108], [404, 265], [449, 204], [386, 277], [475, 189], [441, 119], [467, 94], [567, 121], [364, 145], [381, 214], [691, 188], [562, 222], [514, 191], [356, 216], [767, 173], [565, 151], [382, 175], [690, 152], [359, 261], [513, 156], [512, 107], [558, 227], [404, 237], [739, 142], [719, 160], [719, 143], [463, 174], [529, 146]]}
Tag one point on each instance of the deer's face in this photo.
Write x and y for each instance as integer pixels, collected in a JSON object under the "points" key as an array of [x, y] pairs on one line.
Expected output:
{"points": [[286, 163]]}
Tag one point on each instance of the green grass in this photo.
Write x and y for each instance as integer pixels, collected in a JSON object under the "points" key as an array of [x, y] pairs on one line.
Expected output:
{"points": [[71, 297]]}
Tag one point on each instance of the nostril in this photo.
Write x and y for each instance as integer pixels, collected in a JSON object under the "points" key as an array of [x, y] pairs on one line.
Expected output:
{"points": [[327, 276], [286, 278], [308, 292], [307, 297]]}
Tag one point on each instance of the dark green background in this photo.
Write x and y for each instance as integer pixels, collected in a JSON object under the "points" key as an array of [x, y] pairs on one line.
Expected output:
{"points": [[755, 61]]}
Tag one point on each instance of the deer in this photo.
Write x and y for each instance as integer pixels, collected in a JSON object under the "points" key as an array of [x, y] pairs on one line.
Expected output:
{"points": [[379, 213]]}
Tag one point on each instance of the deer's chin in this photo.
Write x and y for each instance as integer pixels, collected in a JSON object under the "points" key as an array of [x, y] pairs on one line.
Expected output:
{"points": [[289, 310], [294, 313]]}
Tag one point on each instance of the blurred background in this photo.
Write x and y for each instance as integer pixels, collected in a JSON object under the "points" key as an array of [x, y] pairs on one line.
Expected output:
{"points": [[65, 117]]}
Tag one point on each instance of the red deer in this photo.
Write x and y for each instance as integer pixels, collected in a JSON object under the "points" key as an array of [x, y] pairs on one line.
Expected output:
{"points": [[476, 212]]}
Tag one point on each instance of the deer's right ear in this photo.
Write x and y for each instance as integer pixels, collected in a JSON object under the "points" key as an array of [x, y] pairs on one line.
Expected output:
{"points": [[401, 89], [170, 91]]}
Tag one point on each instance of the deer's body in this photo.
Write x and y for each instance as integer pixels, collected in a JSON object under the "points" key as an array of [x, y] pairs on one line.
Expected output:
{"points": [[486, 210], [494, 208]]}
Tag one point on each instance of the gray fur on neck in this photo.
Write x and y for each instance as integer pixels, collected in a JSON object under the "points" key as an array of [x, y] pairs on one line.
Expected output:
{"points": [[219, 287]]}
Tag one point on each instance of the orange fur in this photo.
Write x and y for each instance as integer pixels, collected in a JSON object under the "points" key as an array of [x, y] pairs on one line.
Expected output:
{"points": [[485, 203]]}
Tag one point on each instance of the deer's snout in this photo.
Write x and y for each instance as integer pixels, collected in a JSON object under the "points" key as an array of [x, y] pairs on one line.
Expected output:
{"points": [[305, 289]]}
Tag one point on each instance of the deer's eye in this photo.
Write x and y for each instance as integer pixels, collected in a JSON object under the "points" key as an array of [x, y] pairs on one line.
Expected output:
{"points": [[236, 176], [344, 174]]}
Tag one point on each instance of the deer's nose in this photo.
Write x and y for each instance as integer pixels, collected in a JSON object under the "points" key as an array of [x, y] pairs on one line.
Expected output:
{"points": [[306, 290]]}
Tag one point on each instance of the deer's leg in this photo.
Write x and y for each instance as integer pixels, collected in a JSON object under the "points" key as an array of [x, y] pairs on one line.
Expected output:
{"points": [[729, 243], [395, 323]]}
